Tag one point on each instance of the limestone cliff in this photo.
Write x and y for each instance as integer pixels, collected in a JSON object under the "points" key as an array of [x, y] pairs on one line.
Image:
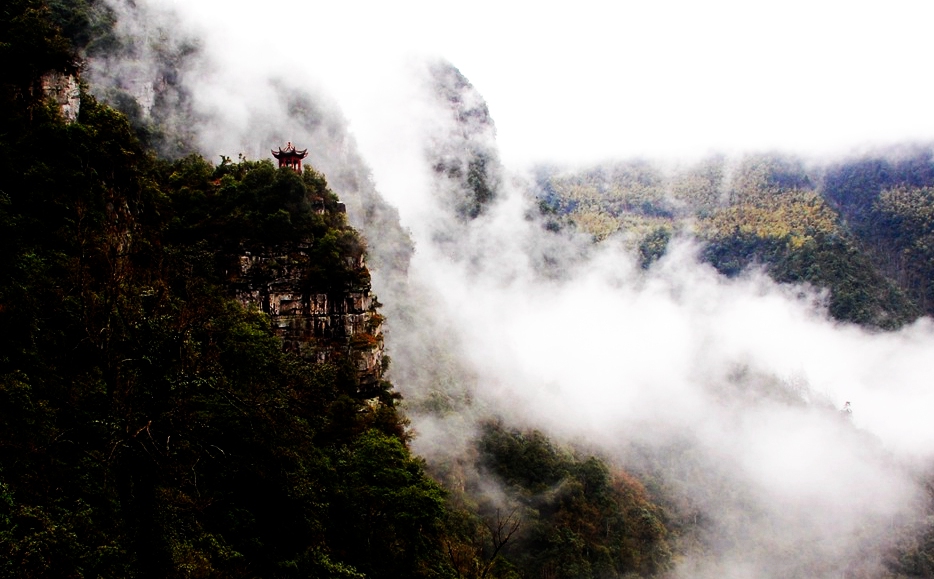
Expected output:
{"points": [[327, 324], [462, 150], [64, 91]]}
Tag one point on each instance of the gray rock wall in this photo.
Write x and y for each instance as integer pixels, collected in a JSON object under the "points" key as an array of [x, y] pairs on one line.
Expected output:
{"points": [[64, 91], [319, 326]]}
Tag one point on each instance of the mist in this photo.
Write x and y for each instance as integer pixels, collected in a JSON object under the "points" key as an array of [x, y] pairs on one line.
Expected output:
{"points": [[733, 389], [743, 383], [615, 80]]}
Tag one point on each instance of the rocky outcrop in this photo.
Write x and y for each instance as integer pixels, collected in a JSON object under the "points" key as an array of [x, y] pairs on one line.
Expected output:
{"points": [[324, 326], [463, 150], [64, 91]]}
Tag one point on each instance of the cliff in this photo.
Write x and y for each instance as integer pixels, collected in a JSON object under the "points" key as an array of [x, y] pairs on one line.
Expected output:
{"points": [[323, 326], [63, 90], [462, 149]]}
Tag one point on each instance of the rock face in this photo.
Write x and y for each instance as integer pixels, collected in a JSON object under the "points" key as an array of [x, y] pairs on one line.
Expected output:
{"points": [[463, 151], [324, 326], [64, 91]]}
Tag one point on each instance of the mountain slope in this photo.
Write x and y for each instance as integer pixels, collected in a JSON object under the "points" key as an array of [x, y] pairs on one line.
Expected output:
{"points": [[762, 211]]}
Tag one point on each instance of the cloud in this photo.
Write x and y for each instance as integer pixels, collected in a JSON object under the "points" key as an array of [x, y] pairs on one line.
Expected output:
{"points": [[611, 79], [745, 377]]}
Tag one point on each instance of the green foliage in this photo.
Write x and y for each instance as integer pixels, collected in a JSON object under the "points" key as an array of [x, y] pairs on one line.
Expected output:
{"points": [[391, 513], [882, 199], [903, 226], [30, 46], [699, 188], [795, 235], [467, 167], [653, 246], [604, 200], [576, 518], [88, 24], [760, 177], [768, 215], [253, 208], [913, 551], [635, 187], [478, 181]]}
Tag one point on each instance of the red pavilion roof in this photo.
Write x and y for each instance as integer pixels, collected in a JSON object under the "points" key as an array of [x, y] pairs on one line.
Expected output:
{"points": [[290, 151]]}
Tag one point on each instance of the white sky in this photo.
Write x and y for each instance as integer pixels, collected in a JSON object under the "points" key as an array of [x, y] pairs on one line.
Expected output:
{"points": [[591, 80]]}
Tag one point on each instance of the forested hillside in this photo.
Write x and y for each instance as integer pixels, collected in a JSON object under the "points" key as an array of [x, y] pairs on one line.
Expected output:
{"points": [[856, 229], [151, 425]]}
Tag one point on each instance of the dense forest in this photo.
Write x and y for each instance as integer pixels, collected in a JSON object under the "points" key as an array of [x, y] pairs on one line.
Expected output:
{"points": [[857, 228]]}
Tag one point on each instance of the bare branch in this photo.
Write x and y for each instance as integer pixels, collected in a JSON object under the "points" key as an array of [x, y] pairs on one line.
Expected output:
{"points": [[500, 534]]}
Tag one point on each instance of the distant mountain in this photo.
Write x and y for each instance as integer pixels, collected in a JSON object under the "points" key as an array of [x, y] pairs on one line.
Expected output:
{"points": [[854, 229], [463, 151]]}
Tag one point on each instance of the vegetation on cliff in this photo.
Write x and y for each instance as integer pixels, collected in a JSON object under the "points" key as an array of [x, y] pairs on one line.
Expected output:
{"points": [[579, 519]]}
